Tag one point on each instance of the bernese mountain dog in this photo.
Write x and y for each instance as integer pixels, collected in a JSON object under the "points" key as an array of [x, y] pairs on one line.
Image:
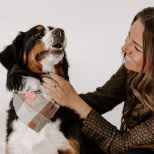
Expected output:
{"points": [[41, 50]]}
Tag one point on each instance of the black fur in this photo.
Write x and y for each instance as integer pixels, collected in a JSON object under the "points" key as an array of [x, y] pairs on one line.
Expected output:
{"points": [[12, 59]]}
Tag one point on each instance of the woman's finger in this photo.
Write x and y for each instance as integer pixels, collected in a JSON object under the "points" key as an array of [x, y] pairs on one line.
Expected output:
{"points": [[49, 88], [56, 77], [49, 81], [44, 84], [50, 93], [57, 96], [45, 75]]}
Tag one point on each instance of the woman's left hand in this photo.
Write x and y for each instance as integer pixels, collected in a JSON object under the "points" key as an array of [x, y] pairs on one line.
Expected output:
{"points": [[64, 94]]}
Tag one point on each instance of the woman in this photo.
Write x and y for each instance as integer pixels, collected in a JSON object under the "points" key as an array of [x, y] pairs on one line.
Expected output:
{"points": [[133, 83]]}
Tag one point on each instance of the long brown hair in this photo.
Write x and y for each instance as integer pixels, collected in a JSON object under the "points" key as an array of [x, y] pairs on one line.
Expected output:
{"points": [[140, 86]]}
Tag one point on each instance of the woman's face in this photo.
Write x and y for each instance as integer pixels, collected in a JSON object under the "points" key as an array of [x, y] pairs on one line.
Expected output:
{"points": [[133, 47]]}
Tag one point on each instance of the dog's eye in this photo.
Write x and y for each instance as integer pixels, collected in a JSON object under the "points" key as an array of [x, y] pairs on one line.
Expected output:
{"points": [[40, 55], [37, 35]]}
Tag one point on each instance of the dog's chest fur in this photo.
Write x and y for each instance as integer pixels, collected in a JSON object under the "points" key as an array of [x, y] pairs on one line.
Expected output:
{"points": [[24, 140], [49, 140]]}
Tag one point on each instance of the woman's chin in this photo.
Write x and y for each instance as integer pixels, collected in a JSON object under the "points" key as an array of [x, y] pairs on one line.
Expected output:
{"points": [[131, 68]]}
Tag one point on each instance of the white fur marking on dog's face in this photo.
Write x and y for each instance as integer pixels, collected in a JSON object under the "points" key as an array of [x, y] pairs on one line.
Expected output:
{"points": [[49, 61], [48, 38]]}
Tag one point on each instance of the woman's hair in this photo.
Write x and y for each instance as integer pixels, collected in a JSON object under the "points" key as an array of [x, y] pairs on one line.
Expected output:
{"points": [[140, 86]]}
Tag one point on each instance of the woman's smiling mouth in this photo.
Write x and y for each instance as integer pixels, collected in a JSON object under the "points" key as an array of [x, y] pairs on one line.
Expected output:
{"points": [[128, 58]]}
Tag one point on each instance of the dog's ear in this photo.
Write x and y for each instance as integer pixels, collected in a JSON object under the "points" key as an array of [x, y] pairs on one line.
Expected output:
{"points": [[11, 54]]}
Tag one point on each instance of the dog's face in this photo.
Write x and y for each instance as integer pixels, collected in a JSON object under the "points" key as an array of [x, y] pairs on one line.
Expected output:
{"points": [[38, 50]]}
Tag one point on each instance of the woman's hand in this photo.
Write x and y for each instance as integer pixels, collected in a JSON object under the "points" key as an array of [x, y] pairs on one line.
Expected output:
{"points": [[60, 90], [63, 93]]}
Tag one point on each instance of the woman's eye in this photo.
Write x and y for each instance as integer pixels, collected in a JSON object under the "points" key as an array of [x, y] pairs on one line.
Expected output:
{"points": [[137, 49]]}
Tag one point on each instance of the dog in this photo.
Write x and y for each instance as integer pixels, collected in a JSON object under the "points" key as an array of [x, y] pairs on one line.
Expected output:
{"points": [[41, 50]]}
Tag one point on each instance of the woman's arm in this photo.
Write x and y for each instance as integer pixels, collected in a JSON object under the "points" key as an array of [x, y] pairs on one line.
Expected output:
{"points": [[113, 141], [102, 100], [108, 96], [107, 136]]}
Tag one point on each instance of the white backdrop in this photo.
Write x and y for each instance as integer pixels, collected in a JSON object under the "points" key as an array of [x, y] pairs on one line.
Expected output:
{"points": [[95, 30]]}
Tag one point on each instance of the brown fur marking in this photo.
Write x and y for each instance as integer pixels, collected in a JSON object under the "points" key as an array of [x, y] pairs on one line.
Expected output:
{"points": [[40, 28], [33, 64], [24, 58], [59, 70], [74, 144]]}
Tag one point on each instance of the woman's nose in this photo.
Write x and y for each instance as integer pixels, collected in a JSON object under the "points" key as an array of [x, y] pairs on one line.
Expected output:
{"points": [[123, 48], [127, 47]]}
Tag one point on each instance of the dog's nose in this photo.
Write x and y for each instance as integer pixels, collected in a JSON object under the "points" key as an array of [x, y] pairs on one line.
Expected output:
{"points": [[58, 31]]}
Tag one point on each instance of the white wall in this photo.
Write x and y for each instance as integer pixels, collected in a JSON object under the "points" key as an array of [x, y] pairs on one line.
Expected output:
{"points": [[95, 30]]}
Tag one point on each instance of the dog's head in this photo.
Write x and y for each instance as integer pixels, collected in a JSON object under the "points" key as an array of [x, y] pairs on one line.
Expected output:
{"points": [[36, 51], [39, 50]]}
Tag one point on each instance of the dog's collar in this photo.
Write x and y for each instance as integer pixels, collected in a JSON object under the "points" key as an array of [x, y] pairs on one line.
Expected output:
{"points": [[36, 111]]}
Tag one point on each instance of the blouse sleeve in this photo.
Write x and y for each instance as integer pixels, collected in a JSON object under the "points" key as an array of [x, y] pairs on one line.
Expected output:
{"points": [[113, 141], [105, 98]]}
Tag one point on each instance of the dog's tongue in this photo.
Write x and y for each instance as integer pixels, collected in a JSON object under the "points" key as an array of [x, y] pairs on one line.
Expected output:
{"points": [[55, 50]]}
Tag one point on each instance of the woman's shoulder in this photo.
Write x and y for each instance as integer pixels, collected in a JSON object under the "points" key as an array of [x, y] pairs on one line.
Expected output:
{"points": [[120, 75]]}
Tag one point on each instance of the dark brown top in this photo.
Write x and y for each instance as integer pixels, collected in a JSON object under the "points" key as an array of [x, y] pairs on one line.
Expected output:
{"points": [[108, 137]]}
